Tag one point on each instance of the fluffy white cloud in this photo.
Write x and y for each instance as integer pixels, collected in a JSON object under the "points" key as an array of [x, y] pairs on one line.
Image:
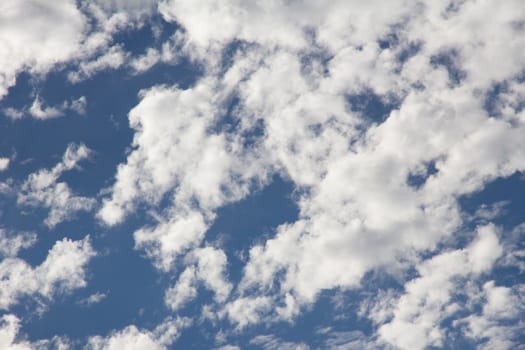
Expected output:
{"points": [[62, 271], [132, 338], [11, 243], [36, 35], [178, 155], [294, 72], [428, 298], [206, 265], [500, 322], [10, 337], [42, 189], [9, 327]]}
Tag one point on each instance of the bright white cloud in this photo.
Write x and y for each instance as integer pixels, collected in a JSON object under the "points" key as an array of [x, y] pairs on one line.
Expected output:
{"points": [[11, 243], [132, 338], [62, 271], [40, 112], [428, 298], [42, 189], [9, 327], [500, 322], [207, 266], [4, 163], [293, 68], [36, 35]]}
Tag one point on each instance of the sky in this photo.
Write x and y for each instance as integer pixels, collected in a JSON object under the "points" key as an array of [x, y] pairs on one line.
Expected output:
{"points": [[272, 174]]}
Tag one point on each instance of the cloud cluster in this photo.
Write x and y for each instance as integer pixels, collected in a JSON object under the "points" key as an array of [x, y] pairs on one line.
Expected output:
{"points": [[286, 90], [428, 299], [376, 190]]}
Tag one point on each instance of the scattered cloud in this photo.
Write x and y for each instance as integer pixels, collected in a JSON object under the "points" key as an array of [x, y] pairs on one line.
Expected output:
{"points": [[93, 299], [41, 189], [61, 272], [280, 93], [132, 338]]}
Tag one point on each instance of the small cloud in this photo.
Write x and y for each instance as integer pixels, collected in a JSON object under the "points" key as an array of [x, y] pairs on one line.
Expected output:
{"points": [[40, 111], [93, 299], [4, 163], [13, 113], [79, 105]]}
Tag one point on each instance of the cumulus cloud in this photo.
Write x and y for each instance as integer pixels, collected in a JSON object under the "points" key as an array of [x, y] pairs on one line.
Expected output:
{"points": [[11, 243], [281, 95], [9, 327], [428, 298], [42, 189], [33, 41], [61, 272], [207, 266], [10, 337], [500, 322], [132, 338]]}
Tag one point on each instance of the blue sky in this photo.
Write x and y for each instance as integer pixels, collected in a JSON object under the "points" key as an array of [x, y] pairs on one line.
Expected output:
{"points": [[179, 174]]}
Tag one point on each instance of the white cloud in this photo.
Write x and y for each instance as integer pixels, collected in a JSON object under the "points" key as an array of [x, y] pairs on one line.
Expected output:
{"points": [[500, 322], [4, 163], [205, 265], [114, 58], [36, 35], [248, 310], [11, 243], [79, 105], [166, 162], [271, 342], [132, 338], [42, 189], [61, 272], [428, 299], [10, 337], [13, 113], [39, 109], [9, 327], [295, 66], [183, 291], [94, 298], [40, 112]]}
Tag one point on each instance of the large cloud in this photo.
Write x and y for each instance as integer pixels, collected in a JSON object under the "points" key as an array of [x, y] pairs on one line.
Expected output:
{"points": [[286, 97]]}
